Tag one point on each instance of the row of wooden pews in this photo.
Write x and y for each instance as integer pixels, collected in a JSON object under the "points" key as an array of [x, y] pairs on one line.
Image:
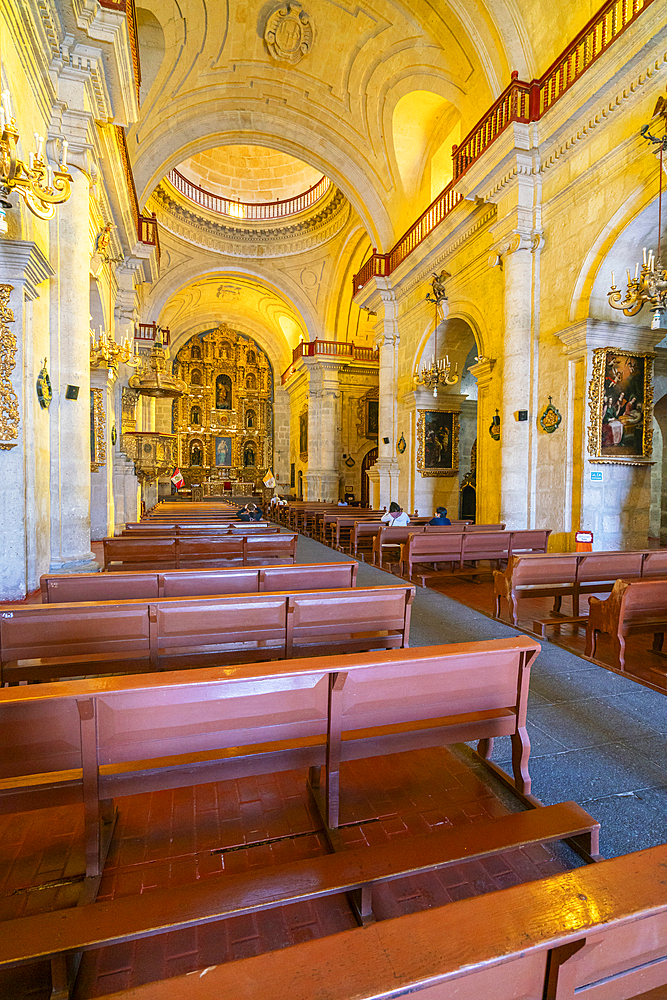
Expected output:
{"points": [[97, 741]]}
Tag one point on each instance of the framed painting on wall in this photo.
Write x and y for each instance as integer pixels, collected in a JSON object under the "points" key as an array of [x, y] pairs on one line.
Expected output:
{"points": [[438, 443], [620, 397]]}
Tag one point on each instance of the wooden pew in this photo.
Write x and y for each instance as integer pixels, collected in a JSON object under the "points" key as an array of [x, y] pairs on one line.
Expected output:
{"points": [[49, 641], [102, 739], [149, 585], [169, 529], [571, 574], [596, 933], [433, 549], [632, 608], [190, 551], [58, 934]]}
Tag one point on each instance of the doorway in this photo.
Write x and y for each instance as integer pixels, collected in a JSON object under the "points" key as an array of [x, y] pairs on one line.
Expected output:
{"points": [[368, 461]]}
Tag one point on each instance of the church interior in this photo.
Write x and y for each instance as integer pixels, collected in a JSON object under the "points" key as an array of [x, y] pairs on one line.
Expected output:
{"points": [[343, 262]]}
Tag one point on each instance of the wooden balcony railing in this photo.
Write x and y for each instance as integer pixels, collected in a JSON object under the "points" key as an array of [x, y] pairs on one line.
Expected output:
{"points": [[251, 211], [148, 332], [331, 348], [519, 102], [146, 225]]}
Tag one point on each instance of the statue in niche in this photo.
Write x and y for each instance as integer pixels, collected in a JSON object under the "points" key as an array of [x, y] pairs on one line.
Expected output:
{"points": [[250, 418], [250, 358], [250, 382], [223, 392], [195, 378], [196, 352], [195, 416], [226, 352], [249, 456], [195, 455]]}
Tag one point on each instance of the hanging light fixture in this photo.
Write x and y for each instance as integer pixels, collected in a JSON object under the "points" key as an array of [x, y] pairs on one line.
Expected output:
{"points": [[154, 379], [649, 285], [107, 353], [439, 371], [40, 186]]}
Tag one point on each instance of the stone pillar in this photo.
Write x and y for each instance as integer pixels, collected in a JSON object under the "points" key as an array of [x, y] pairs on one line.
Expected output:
{"points": [[488, 450], [322, 477], [24, 425], [70, 359], [384, 475], [102, 513], [517, 437]]}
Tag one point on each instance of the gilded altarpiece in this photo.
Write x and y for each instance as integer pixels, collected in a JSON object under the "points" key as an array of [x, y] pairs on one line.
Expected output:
{"points": [[224, 422]]}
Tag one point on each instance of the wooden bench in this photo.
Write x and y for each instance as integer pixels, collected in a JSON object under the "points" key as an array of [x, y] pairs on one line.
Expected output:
{"points": [[632, 608], [197, 550], [169, 529], [102, 739], [56, 935], [571, 574], [596, 933], [148, 585], [458, 548], [49, 641]]}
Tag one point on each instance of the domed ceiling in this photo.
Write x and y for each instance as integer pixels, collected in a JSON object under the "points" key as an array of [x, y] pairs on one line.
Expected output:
{"points": [[249, 173]]}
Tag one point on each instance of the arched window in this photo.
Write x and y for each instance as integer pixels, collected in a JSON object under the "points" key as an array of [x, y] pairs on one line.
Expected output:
{"points": [[195, 415], [250, 358], [249, 459], [195, 377], [250, 418], [195, 351], [250, 382]]}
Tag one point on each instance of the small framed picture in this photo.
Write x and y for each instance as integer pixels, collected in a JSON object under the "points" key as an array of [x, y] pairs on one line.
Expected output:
{"points": [[438, 441]]}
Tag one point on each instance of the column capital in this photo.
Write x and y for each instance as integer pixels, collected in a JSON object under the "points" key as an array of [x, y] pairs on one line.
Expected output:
{"points": [[514, 242], [482, 370]]}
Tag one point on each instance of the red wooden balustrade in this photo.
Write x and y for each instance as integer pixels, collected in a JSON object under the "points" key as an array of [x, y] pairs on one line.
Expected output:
{"points": [[331, 348], [519, 102], [148, 331], [253, 211]]}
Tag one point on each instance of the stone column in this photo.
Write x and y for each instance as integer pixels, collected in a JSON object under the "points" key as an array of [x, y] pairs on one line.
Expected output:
{"points": [[517, 437], [24, 484], [488, 450], [322, 477], [70, 358], [384, 475], [102, 513]]}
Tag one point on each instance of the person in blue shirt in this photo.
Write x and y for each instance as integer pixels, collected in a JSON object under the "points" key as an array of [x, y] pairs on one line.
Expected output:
{"points": [[440, 517]]}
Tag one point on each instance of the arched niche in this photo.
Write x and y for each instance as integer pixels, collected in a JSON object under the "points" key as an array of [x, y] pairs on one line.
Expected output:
{"points": [[196, 455], [195, 416], [250, 455]]}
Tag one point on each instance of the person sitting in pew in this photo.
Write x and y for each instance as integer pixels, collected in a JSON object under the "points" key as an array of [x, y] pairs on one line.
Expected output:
{"points": [[395, 516], [440, 517], [249, 513]]}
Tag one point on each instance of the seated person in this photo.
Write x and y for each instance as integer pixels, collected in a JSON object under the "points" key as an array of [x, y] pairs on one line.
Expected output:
{"points": [[440, 517], [395, 516], [342, 503], [249, 513]]}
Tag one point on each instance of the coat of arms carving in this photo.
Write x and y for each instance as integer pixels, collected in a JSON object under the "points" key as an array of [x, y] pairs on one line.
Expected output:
{"points": [[289, 33]]}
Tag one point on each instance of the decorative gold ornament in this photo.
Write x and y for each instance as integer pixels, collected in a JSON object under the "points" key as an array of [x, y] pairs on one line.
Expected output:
{"points": [[620, 397], [154, 379], [40, 186], [551, 419], [438, 443], [289, 33], [9, 404], [106, 353], [44, 392], [98, 428]]}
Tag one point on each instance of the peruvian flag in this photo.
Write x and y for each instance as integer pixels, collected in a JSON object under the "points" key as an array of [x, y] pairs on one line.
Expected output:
{"points": [[177, 479]]}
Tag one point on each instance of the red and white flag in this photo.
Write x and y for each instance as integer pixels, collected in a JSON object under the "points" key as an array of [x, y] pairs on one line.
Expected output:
{"points": [[177, 479]]}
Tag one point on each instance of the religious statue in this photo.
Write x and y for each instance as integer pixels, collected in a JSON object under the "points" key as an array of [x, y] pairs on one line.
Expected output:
{"points": [[223, 393], [196, 455]]}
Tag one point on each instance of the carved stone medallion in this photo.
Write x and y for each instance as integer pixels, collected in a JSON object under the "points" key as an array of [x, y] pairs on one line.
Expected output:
{"points": [[289, 33]]}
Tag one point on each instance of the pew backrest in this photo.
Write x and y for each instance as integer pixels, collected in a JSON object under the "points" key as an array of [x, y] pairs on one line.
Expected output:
{"points": [[190, 551]]}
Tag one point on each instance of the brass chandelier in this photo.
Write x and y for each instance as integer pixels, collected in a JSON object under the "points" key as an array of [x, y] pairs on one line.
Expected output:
{"points": [[439, 371], [40, 186], [649, 285], [107, 353]]}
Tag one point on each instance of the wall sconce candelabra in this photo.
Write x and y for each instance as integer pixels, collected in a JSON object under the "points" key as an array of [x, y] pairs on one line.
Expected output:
{"points": [[439, 371], [107, 353], [649, 285], [40, 186]]}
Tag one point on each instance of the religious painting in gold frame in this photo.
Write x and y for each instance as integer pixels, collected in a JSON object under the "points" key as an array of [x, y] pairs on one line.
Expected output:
{"points": [[438, 443], [620, 397]]}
